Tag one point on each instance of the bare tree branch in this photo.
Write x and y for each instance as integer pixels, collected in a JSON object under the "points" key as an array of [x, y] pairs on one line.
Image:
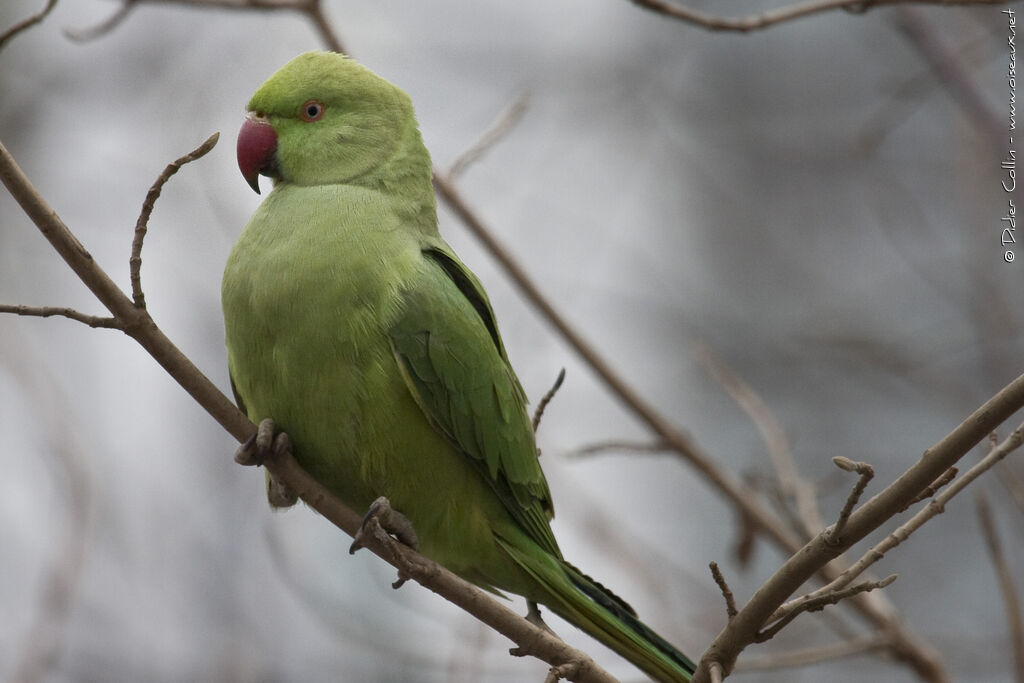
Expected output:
{"points": [[1007, 584], [48, 311], [780, 15], [26, 23]]}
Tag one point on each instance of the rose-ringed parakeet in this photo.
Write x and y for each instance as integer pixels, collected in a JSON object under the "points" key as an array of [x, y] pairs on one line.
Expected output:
{"points": [[356, 328]]}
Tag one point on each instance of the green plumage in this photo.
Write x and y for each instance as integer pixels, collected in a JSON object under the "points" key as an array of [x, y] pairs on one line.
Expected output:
{"points": [[353, 325]]}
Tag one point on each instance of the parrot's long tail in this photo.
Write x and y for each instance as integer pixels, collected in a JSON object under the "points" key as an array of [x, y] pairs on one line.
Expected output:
{"points": [[585, 603]]}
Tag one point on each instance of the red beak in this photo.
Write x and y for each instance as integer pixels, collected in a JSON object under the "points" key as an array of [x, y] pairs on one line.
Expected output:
{"points": [[256, 150]]}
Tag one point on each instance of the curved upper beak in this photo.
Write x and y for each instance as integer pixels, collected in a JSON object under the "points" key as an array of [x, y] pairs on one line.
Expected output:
{"points": [[256, 149]]}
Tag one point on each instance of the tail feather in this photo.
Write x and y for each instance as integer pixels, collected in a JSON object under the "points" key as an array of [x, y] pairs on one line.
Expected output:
{"points": [[588, 605]]}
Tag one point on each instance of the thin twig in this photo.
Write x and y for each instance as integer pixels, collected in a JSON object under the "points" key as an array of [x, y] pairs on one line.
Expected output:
{"points": [[539, 413], [26, 23], [819, 602], [730, 599], [866, 473], [47, 311], [1007, 584], [780, 15], [502, 126], [947, 476], [142, 224]]}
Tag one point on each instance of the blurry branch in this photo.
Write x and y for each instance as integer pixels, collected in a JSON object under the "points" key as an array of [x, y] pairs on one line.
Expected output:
{"points": [[814, 655], [792, 487], [953, 74], [782, 14], [617, 446], [136, 322], [26, 23], [311, 8], [1014, 483], [502, 125], [867, 473], [908, 96], [1007, 586], [764, 607]]}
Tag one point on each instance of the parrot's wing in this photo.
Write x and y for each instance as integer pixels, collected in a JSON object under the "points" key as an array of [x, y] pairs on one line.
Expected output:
{"points": [[454, 363]]}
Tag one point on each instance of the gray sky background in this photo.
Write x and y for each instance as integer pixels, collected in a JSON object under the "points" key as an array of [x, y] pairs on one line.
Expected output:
{"points": [[808, 201]]}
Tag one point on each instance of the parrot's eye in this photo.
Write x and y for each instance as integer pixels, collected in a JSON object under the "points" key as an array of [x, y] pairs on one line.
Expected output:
{"points": [[313, 110]]}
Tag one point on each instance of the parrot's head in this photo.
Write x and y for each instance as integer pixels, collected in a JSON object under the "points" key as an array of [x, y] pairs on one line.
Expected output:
{"points": [[323, 119]]}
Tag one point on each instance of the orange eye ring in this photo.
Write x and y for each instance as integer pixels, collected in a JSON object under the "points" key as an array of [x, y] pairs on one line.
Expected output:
{"points": [[312, 110]]}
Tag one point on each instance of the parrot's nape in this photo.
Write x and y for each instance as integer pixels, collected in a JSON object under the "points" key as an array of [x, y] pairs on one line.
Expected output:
{"points": [[356, 328]]}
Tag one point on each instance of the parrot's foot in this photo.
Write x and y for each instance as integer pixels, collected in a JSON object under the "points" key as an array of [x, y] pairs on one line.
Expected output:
{"points": [[533, 616], [392, 522], [268, 443]]}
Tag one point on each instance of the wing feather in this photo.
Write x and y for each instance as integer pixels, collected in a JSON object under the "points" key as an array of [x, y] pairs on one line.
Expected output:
{"points": [[454, 364]]}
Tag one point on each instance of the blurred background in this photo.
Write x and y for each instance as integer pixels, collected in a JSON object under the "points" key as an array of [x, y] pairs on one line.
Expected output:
{"points": [[814, 203]]}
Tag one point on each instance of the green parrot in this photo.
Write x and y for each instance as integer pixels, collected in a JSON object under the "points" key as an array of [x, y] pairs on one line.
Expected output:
{"points": [[358, 331]]}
